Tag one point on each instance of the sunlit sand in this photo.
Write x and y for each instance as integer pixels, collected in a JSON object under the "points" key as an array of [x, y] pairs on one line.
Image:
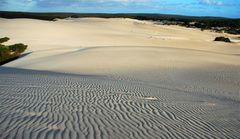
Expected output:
{"points": [[118, 78]]}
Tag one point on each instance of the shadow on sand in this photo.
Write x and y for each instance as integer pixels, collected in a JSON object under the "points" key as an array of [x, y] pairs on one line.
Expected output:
{"points": [[12, 59]]}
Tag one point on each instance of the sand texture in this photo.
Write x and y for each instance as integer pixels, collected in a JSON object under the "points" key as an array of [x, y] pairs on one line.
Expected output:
{"points": [[118, 78]]}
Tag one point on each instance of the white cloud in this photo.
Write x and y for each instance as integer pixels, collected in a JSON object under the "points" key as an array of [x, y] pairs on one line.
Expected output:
{"points": [[211, 2]]}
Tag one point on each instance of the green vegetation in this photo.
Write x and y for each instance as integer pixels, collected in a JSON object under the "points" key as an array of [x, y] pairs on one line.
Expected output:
{"points": [[8, 52], [5, 39], [223, 39]]}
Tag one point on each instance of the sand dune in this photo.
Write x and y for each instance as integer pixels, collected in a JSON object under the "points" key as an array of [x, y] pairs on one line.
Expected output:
{"points": [[118, 78]]}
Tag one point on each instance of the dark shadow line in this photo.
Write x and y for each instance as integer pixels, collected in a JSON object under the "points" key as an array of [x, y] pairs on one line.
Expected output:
{"points": [[14, 58]]}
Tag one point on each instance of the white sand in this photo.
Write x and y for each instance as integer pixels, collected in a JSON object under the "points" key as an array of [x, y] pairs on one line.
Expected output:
{"points": [[133, 79], [67, 40]]}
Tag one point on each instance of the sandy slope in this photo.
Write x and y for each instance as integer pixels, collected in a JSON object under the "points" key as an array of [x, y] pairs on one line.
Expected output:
{"points": [[46, 105], [123, 78], [67, 40]]}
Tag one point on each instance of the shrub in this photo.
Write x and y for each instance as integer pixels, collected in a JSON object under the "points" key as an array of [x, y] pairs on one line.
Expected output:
{"points": [[10, 52], [17, 48], [223, 39], [4, 53], [5, 39]]}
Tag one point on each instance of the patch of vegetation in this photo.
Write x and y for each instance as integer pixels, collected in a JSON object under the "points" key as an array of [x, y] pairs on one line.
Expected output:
{"points": [[223, 39], [8, 52], [5, 39]]}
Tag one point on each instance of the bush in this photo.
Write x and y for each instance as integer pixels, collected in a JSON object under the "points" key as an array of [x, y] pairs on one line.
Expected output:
{"points": [[17, 48], [10, 52], [223, 39], [5, 39], [4, 53]]}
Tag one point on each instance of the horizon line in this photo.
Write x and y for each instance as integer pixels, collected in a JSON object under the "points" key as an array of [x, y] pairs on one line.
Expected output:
{"points": [[112, 13]]}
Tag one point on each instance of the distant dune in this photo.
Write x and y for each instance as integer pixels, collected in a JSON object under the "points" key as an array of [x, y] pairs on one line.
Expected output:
{"points": [[118, 78]]}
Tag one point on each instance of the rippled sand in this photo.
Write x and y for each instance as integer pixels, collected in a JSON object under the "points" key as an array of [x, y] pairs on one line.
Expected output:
{"points": [[118, 78]]}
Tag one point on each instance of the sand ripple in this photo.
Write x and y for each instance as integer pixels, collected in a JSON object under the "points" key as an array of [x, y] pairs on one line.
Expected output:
{"points": [[45, 105]]}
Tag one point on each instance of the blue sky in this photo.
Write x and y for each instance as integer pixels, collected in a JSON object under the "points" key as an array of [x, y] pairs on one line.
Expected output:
{"points": [[223, 8]]}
